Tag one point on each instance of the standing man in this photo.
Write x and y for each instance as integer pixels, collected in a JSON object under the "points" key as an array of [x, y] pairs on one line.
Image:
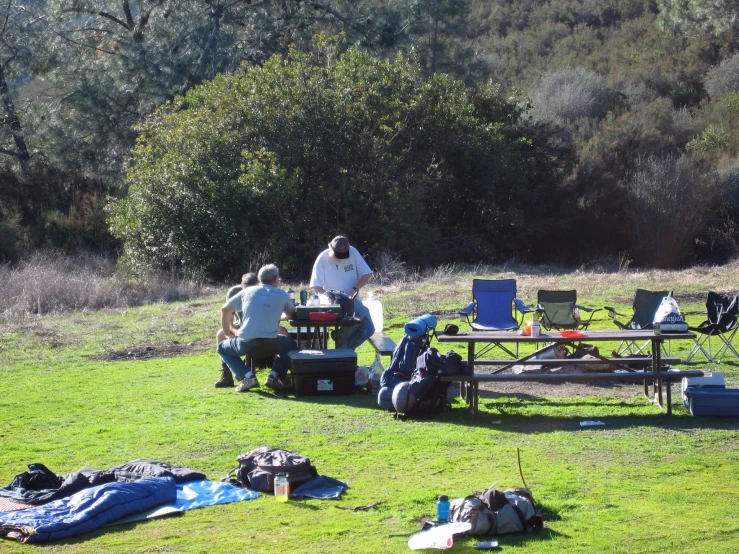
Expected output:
{"points": [[258, 334], [342, 268]]}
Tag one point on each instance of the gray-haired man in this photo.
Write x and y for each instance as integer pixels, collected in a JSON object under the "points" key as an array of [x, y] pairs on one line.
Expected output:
{"points": [[258, 335]]}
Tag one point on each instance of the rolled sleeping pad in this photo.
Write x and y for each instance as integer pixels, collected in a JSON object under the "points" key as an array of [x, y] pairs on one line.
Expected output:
{"points": [[420, 326], [385, 398]]}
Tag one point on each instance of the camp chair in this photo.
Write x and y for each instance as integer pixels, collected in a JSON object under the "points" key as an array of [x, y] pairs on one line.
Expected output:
{"points": [[645, 305], [492, 308], [721, 321], [558, 310]]}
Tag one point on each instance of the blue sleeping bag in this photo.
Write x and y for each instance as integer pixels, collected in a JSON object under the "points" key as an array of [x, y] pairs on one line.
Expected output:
{"points": [[86, 510]]}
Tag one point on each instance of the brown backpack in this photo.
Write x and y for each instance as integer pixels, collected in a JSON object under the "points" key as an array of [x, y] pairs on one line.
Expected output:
{"points": [[257, 469]]}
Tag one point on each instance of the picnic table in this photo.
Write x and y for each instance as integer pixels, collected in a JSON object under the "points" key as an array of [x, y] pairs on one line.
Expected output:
{"points": [[316, 334], [550, 339]]}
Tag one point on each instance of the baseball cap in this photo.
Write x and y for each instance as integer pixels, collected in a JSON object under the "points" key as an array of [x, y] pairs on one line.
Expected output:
{"points": [[339, 245]]}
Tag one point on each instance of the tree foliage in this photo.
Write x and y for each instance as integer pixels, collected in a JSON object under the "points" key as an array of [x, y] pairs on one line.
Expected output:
{"points": [[284, 156]]}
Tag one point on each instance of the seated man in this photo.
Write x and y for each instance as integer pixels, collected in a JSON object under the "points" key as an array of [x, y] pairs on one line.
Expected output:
{"points": [[247, 280], [258, 333], [342, 268]]}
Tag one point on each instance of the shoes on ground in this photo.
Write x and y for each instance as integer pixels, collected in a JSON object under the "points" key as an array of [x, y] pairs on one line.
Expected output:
{"points": [[227, 378], [274, 382], [246, 384]]}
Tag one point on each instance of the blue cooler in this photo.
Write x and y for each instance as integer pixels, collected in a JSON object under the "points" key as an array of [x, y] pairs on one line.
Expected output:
{"points": [[708, 396], [323, 372]]}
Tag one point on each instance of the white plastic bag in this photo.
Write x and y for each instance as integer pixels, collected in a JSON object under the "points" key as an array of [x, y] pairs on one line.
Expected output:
{"points": [[361, 376], [439, 537], [668, 316]]}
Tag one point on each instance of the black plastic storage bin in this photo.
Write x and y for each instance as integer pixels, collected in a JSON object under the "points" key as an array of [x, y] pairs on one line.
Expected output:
{"points": [[319, 372]]}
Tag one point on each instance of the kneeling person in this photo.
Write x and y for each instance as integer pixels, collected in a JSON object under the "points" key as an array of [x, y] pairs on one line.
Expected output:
{"points": [[258, 334]]}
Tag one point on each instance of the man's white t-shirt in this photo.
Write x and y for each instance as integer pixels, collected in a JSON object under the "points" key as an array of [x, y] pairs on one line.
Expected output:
{"points": [[339, 275], [262, 306]]}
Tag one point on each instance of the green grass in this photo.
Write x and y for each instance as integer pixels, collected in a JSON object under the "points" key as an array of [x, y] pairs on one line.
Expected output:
{"points": [[642, 483]]}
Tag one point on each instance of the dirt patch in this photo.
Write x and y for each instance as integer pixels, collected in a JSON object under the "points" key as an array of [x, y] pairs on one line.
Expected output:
{"points": [[148, 351], [559, 390]]}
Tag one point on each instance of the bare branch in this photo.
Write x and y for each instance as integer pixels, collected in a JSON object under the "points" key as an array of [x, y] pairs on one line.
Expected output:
{"points": [[115, 20]]}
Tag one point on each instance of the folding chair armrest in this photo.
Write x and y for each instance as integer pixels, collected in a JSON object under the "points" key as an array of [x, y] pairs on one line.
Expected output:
{"points": [[521, 307], [467, 310], [695, 313], [586, 309], [613, 313]]}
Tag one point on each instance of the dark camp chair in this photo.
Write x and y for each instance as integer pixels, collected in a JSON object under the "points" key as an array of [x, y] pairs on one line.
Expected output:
{"points": [[559, 310], [721, 322], [645, 305], [493, 308]]}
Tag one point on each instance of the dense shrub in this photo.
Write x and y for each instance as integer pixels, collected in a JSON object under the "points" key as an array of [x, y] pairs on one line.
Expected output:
{"points": [[668, 202], [724, 77], [570, 94], [284, 156]]}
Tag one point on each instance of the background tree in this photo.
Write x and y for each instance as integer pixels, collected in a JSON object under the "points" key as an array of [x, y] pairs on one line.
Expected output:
{"points": [[284, 156]]}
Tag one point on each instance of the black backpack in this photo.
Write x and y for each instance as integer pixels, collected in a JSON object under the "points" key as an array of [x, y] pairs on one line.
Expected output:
{"points": [[425, 393], [257, 469]]}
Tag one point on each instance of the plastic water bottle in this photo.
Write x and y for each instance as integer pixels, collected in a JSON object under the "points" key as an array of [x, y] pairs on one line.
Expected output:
{"points": [[375, 309], [282, 487], [314, 300], [442, 508], [535, 330]]}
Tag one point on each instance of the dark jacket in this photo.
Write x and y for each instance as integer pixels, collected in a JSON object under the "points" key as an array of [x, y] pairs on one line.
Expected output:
{"points": [[40, 485]]}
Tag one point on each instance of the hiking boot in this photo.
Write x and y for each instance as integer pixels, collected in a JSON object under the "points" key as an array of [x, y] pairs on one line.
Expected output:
{"points": [[227, 378], [274, 382], [247, 383]]}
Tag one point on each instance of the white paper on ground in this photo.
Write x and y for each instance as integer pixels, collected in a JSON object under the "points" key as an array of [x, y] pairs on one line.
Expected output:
{"points": [[439, 537]]}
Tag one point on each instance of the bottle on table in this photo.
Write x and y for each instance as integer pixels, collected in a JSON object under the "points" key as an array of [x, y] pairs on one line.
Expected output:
{"points": [[291, 294], [535, 328], [442, 508], [282, 487]]}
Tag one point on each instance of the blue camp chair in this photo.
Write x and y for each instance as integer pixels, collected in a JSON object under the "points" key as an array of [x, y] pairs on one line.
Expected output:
{"points": [[494, 307]]}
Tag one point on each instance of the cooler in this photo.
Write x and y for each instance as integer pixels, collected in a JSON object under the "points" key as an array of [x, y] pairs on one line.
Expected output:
{"points": [[708, 396], [323, 372]]}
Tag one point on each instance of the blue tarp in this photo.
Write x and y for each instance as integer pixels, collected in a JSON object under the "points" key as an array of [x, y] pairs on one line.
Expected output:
{"points": [[196, 494], [321, 487]]}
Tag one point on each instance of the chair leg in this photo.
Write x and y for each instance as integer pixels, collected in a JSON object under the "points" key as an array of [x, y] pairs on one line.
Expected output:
{"points": [[698, 347], [727, 346]]}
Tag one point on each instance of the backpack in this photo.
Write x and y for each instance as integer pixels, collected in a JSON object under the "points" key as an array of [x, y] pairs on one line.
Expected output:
{"points": [[425, 393], [257, 469], [496, 512]]}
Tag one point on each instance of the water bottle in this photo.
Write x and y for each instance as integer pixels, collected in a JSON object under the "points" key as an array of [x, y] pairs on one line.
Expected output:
{"points": [[282, 487], [442, 508], [375, 309], [314, 300], [303, 297], [535, 325]]}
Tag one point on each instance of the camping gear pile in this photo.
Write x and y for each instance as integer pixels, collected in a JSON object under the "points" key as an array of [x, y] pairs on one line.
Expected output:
{"points": [[411, 385]]}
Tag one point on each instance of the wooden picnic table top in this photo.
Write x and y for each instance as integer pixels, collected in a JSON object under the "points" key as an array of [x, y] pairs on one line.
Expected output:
{"points": [[554, 336]]}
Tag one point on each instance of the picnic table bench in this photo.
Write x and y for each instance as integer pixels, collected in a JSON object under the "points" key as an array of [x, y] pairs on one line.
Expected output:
{"points": [[470, 383], [383, 345]]}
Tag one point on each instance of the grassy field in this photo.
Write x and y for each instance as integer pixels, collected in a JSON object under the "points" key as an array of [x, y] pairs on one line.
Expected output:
{"points": [[92, 389]]}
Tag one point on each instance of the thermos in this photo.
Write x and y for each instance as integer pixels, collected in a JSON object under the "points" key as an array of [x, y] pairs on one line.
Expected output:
{"points": [[442, 508], [303, 297]]}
